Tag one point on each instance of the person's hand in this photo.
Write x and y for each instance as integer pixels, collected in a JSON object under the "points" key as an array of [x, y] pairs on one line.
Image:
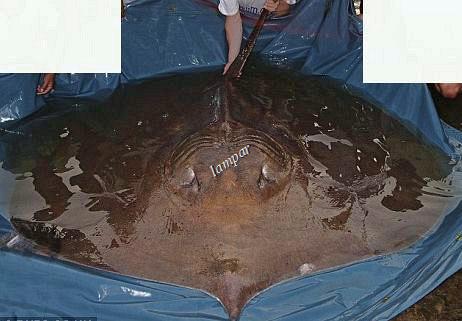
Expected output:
{"points": [[225, 70], [47, 84], [449, 90], [271, 5]]}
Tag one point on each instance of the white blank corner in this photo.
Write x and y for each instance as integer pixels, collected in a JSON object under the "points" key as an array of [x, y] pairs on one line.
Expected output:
{"points": [[412, 41], [60, 36]]}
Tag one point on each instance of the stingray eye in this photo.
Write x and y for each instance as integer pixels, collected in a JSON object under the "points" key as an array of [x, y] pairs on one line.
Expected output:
{"points": [[189, 179], [267, 176]]}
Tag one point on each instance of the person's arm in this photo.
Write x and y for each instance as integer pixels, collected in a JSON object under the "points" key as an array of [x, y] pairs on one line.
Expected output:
{"points": [[233, 28]]}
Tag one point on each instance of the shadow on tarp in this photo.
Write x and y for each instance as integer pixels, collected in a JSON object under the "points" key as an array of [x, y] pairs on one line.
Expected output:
{"points": [[166, 37]]}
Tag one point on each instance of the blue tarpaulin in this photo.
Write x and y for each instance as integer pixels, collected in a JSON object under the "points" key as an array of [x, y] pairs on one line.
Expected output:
{"points": [[17, 96], [167, 37]]}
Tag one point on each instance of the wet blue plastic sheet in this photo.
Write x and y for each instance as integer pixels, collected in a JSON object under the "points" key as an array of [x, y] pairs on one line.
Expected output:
{"points": [[37, 286], [5, 227], [165, 37], [85, 86], [161, 38], [17, 96]]}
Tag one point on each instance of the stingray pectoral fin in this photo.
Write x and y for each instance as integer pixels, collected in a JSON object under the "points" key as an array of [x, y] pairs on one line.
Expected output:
{"points": [[45, 234], [69, 243]]}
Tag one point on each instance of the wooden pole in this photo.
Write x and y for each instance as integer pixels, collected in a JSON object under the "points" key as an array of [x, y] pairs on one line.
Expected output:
{"points": [[236, 67]]}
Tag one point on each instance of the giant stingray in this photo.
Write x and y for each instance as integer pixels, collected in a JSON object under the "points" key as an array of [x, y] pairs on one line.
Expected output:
{"points": [[228, 188]]}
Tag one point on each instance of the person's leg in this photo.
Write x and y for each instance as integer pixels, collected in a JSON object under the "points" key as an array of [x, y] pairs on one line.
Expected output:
{"points": [[47, 84]]}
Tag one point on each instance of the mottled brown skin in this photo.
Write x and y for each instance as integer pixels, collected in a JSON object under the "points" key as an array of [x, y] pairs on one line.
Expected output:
{"points": [[315, 188]]}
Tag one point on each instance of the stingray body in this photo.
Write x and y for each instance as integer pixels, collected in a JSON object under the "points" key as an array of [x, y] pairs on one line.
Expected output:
{"points": [[229, 188]]}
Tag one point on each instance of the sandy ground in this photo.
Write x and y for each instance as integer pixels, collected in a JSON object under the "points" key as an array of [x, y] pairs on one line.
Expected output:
{"points": [[444, 303]]}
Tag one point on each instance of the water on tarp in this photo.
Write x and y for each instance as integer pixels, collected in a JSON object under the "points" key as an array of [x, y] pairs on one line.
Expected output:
{"points": [[226, 187]]}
